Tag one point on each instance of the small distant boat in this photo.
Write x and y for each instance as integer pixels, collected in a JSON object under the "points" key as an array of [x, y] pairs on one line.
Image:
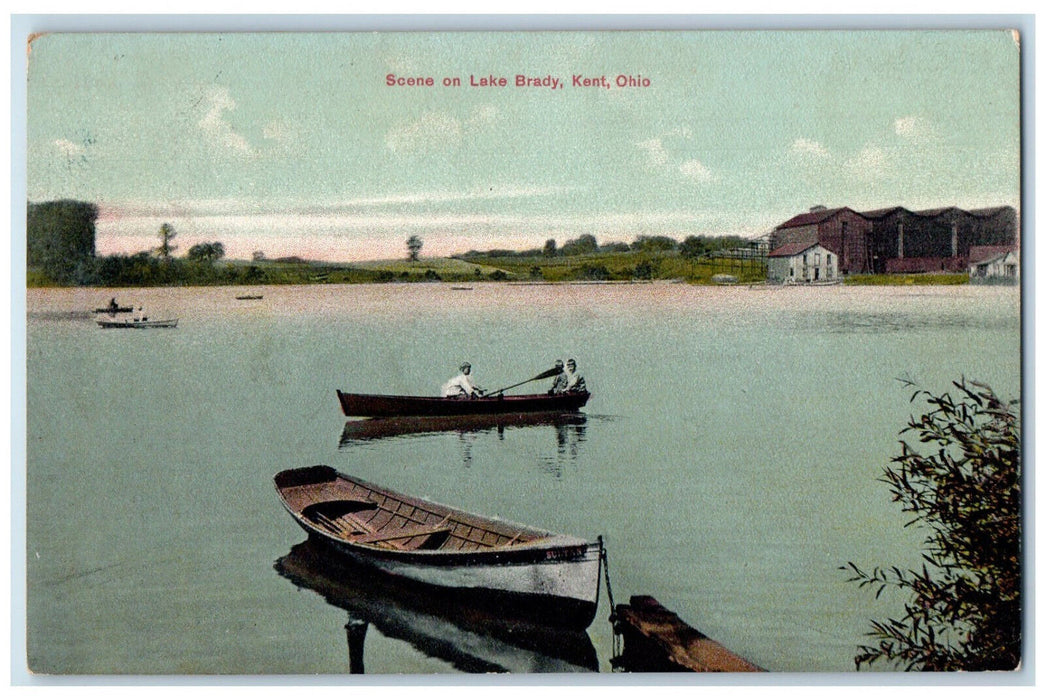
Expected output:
{"points": [[131, 323], [462, 289], [554, 576], [249, 296], [384, 406]]}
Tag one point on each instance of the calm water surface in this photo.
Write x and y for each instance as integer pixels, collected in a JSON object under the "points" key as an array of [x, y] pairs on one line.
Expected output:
{"points": [[729, 457]]}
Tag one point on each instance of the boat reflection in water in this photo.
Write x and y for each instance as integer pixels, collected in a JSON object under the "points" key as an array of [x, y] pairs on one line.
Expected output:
{"points": [[379, 428], [569, 431], [460, 632]]}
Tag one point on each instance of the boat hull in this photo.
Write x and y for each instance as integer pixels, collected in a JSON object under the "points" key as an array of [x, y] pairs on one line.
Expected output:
{"points": [[560, 592], [381, 406], [552, 578], [168, 323]]}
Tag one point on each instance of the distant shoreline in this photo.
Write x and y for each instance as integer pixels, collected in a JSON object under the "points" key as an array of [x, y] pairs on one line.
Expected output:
{"points": [[596, 268]]}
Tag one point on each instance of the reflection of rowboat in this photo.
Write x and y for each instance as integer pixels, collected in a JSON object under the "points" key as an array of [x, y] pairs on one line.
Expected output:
{"points": [[166, 323], [452, 629], [556, 577], [377, 428], [381, 406]]}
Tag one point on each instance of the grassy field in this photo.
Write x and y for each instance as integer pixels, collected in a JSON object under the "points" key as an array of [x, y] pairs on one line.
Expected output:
{"points": [[940, 278], [623, 266]]}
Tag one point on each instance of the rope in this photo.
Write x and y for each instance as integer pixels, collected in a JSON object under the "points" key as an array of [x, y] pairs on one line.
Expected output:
{"points": [[616, 642], [606, 574]]}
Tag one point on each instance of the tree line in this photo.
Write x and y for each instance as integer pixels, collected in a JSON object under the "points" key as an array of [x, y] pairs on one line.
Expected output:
{"points": [[691, 247], [60, 249]]}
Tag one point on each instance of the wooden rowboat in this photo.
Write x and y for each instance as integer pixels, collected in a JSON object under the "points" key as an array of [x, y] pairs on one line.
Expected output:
{"points": [[166, 323], [550, 577], [383, 406]]}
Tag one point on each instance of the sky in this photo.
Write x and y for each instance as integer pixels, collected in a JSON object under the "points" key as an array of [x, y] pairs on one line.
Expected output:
{"points": [[296, 143]]}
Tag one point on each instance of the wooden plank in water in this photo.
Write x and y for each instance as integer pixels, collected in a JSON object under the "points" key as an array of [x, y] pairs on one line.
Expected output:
{"points": [[655, 639]]}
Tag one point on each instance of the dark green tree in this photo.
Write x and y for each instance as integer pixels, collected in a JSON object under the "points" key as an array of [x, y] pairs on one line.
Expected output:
{"points": [[549, 251], [654, 244], [206, 252], [962, 484], [413, 248], [581, 245], [167, 234], [693, 247], [60, 238]]}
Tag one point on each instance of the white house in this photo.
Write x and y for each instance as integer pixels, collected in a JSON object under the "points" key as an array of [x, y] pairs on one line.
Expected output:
{"points": [[995, 264], [802, 262]]}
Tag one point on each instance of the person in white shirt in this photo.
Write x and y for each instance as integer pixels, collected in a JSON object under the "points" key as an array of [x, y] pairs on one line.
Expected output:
{"points": [[461, 386], [575, 382]]}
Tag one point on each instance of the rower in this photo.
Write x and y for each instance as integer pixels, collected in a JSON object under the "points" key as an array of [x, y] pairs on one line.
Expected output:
{"points": [[461, 386], [559, 384]]}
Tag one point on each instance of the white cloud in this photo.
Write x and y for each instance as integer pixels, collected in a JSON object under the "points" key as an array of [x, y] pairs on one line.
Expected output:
{"points": [[482, 116], [913, 128], [215, 125], [694, 170], [278, 131], [869, 163], [433, 131], [68, 148], [809, 149], [659, 157], [657, 154]]}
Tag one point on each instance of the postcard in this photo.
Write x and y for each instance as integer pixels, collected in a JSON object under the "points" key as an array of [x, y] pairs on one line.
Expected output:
{"points": [[438, 352]]}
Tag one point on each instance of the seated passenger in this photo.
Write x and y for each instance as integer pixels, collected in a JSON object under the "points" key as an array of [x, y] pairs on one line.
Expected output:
{"points": [[575, 382]]}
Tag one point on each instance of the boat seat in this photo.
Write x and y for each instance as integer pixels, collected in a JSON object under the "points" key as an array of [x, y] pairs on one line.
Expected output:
{"points": [[434, 536]]}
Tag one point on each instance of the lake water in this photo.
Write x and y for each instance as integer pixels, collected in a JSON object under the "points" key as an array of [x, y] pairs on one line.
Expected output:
{"points": [[729, 457]]}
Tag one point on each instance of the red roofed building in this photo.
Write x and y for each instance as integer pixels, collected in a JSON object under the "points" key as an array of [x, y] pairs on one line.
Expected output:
{"points": [[842, 232], [894, 239]]}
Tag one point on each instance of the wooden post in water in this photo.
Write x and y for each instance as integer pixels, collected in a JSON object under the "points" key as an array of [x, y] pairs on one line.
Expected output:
{"points": [[355, 633], [656, 640]]}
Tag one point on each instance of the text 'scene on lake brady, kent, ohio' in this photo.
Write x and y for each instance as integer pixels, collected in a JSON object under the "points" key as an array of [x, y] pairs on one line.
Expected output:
{"points": [[520, 80]]}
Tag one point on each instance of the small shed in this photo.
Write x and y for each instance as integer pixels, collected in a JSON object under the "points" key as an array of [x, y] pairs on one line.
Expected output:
{"points": [[995, 265], [802, 262]]}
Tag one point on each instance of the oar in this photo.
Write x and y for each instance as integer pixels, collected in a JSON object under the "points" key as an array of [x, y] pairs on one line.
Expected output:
{"points": [[544, 375]]}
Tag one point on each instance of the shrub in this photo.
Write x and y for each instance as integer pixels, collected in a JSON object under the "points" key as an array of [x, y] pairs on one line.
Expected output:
{"points": [[964, 611]]}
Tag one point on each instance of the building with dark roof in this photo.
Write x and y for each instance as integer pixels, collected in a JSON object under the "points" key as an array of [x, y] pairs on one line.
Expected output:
{"points": [[841, 231], [896, 239]]}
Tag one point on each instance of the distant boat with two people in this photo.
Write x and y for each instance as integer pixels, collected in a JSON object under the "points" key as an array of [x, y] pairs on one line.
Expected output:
{"points": [[139, 320]]}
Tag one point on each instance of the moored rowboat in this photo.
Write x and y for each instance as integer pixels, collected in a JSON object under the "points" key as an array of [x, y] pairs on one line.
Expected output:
{"points": [[383, 406], [516, 567]]}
